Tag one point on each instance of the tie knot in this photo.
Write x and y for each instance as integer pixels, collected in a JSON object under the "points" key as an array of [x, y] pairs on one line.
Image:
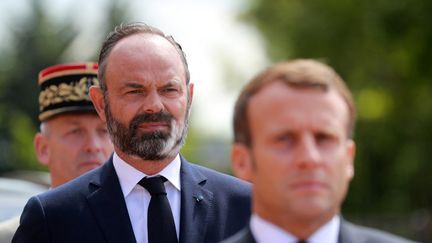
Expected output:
{"points": [[154, 185]]}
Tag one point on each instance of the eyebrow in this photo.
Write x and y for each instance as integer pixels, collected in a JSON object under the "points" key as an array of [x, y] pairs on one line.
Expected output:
{"points": [[133, 85], [171, 83]]}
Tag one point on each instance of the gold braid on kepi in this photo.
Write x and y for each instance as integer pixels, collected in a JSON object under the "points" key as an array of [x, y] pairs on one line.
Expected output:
{"points": [[65, 88]]}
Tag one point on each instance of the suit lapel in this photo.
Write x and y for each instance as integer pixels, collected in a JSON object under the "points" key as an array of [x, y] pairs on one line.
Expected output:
{"points": [[108, 206], [196, 202], [246, 236], [348, 233]]}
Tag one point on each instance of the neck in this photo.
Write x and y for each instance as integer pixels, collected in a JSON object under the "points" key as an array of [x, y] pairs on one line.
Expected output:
{"points": [[55, 183], [148, 167], [58, 180], [300, 227]]}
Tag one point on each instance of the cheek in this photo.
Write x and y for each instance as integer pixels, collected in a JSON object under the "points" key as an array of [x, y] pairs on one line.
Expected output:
{"points": [[271, 185], [69, 148], [178, 108], [61, 147], [125, 115], [64, 157], [341, 174], [346, 167], [274, 159], [123, 111], [108, 147], [270, 167], [72, 154]]}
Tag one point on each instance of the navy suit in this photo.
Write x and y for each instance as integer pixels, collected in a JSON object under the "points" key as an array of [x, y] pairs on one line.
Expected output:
{"points": [[91, 209], [349, 233]]}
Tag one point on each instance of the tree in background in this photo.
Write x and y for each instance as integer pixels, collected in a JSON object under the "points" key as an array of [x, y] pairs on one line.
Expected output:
{"points": [[382, 48], [38, 41]]}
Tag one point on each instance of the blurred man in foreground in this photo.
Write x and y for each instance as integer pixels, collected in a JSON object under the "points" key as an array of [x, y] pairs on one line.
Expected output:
{"points": [[72, 138], [293, 139]]}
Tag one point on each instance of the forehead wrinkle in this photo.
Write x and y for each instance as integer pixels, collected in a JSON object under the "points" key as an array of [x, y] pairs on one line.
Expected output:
{"points": [[133, 84]]}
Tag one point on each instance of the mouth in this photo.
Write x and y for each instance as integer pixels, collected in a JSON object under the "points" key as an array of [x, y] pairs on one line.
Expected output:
{"points": [[309, 186], [153, 126]]}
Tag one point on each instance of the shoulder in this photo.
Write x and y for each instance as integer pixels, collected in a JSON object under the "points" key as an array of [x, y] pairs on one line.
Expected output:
{"points": [[218, 180], [366, 234], [69, 193], [243, 236]]}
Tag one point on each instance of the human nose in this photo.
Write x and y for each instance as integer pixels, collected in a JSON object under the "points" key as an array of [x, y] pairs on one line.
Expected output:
{"points": [[308, 154], [93, 143], [153, 103]]}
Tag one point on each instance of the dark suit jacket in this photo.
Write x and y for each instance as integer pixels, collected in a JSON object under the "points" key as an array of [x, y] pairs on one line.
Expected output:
{"points": [[349, 233], [91, 209]]}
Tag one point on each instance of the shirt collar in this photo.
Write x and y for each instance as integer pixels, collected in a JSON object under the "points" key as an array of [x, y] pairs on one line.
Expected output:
{"points": [[129, 176], [264, 230], [329, 232]]}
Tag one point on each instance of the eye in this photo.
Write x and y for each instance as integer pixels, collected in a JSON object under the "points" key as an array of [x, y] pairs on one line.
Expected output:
{"points": [[285, 139], [169, 90], [325, 138], [75, 131], [134, 91]]}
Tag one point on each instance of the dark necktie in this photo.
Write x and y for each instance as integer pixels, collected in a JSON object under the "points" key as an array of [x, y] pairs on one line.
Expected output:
{"points": [[160, 221], [302, 241]]}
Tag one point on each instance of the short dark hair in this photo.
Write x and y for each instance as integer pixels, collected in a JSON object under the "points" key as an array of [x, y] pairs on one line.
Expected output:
{"points": [[124, 30], [299, 73]]}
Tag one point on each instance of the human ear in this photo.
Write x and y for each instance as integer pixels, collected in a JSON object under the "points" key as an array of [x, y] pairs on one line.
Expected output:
{"points": [[40, 143], [190, 88], [97, 97], [241, 161]]}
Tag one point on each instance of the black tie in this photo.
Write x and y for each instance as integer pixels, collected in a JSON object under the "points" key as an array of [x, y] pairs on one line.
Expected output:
{"points": [[160, 221], [302, 241]]}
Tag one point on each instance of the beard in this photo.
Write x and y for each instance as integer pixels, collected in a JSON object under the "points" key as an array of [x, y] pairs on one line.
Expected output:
{"points": [[154, 145]]}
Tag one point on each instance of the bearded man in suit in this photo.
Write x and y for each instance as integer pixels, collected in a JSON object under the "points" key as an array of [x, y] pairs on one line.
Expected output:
{"points": [[147, 192]]}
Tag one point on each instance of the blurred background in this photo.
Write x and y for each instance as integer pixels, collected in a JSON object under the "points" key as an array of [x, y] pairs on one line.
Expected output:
{"points": [[382, 48]]}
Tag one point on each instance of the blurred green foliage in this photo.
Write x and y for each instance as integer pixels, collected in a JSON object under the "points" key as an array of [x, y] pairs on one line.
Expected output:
{"points": [[382, 48], [38, 41]]}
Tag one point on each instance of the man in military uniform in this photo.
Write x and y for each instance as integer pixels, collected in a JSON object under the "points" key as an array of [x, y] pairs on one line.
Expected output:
{"points": [[72, 139]]}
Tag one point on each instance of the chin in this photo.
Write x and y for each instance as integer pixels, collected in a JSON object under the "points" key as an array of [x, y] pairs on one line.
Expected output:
{"points": [[313, 207]]}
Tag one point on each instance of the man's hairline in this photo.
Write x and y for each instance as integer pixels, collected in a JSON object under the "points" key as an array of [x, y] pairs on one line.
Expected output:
{"points": [[328, 89], [104, 62]]}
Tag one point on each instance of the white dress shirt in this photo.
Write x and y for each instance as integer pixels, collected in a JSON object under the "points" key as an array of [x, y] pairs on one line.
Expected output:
{"points": [[138, 199], [264, 231]]}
